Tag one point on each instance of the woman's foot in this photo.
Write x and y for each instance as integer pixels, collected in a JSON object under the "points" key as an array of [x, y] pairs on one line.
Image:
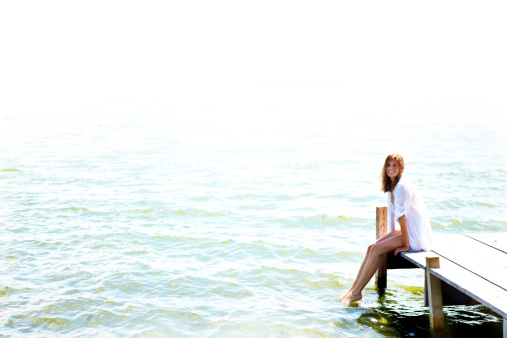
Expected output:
{"points": [[352, 297], [343, 296]]}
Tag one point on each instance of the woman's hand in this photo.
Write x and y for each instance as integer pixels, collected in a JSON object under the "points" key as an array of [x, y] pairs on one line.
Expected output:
{"points": [[400, 249]]}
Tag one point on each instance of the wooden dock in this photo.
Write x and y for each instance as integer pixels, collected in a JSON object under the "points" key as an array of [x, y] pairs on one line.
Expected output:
{"points": [[462, 269]]}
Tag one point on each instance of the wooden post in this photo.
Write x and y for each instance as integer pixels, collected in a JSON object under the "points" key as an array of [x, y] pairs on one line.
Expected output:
{"points": [[434, 294], [381, 228], [505, 328]]}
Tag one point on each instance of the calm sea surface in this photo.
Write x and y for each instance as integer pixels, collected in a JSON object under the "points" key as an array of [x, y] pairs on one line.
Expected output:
{"points": [[152, 225]]}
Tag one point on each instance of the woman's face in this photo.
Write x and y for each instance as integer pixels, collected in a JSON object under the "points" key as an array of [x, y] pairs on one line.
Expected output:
{"points": [[392, 169]]}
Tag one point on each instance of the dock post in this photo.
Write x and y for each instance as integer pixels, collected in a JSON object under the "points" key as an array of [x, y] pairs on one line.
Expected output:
{"points": [[434, 294], [381, 229]]}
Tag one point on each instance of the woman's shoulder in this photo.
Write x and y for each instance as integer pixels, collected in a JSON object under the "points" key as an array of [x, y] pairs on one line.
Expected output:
{"points": [[403, 184]]}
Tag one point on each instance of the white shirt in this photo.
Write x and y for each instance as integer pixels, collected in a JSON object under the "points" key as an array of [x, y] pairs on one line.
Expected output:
{"points": [[408, 203]]}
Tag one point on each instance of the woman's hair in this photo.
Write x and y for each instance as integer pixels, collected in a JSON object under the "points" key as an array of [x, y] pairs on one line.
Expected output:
{"points": [[387, 184]]}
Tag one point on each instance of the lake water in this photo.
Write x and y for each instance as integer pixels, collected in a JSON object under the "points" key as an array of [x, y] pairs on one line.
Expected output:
{"points": [[150, 224]]}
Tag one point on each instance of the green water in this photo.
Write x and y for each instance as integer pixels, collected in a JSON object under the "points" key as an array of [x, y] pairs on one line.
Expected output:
{"points": [[144, 225]]}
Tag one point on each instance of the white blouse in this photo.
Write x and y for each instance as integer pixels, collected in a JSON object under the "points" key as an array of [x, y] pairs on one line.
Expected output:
{"points": [[408, 203]]}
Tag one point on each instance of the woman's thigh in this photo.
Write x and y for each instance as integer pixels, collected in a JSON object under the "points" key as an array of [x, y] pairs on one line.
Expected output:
{"points": [[389, 235], [388, 244]]}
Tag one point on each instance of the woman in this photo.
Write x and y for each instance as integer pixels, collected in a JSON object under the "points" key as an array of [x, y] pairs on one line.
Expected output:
{"points": [[409, 225]]}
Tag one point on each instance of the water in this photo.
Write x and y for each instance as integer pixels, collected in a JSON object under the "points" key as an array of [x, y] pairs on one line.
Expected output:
{"points": [[150, 224]]}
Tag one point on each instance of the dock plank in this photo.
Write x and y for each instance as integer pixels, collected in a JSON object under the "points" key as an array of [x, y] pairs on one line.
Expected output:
{"points": [[483, 260], [472, 267], [495, 240], [465, 281], [418, 258], [474, 286]]}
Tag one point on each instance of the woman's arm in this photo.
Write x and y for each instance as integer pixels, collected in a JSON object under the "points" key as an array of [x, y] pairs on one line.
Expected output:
{"points": [[404, 236]]}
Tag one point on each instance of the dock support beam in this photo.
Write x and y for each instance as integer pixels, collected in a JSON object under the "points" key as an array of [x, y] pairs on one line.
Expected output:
{"points": [[381, 227], [434, 294]]}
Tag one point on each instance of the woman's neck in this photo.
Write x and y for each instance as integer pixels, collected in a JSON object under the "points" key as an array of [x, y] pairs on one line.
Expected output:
{"points": [[394, 182]]}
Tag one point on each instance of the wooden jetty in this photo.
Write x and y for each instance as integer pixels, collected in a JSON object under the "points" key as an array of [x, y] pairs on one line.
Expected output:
{"points": [[464, 269]]}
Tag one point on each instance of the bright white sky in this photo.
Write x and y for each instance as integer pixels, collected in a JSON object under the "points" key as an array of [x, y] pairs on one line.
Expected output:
{"points": [[254, 57]]}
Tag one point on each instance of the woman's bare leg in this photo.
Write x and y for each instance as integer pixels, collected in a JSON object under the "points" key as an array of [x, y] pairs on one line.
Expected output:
{"points": [[370, 266], [361, 268], [358, 274]]}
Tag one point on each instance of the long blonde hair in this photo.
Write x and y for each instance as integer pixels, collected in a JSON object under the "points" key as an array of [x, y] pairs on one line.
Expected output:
{"points": [[387, 183]]}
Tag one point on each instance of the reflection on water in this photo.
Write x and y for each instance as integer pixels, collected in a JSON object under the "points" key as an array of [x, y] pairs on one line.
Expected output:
{"points": [[408, 318]]}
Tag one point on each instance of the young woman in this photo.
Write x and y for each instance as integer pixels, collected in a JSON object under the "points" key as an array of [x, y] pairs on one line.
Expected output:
{"points": [[409, 225]]}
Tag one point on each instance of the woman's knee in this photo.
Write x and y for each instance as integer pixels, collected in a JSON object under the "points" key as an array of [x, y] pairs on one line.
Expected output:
{"points": [[368, 250]]}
